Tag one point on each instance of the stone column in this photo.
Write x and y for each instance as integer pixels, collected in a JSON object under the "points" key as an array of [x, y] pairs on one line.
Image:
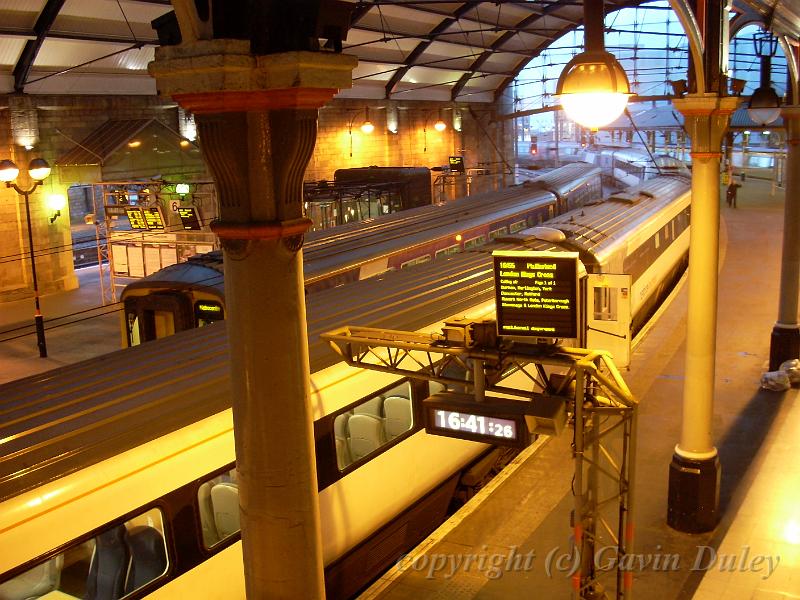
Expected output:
{"points": [[785, 342], [257, 122], [693, 502]]}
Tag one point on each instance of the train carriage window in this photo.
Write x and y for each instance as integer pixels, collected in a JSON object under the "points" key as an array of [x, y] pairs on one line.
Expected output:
{"points": [[372, 424], [605, 304], [116, 562], [218, 507], [518, 226], [415, 261], [454, 249], [134, 339], [495, 233], [474, 242]]}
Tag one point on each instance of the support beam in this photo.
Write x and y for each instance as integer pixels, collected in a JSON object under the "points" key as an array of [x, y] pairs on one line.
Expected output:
{"points": [[693, 499], [785, 341], [28, 56]]}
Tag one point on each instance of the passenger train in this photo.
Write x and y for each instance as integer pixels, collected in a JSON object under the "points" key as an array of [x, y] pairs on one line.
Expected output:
{"points": [[154, 307], [118, 476], [631, 166]]}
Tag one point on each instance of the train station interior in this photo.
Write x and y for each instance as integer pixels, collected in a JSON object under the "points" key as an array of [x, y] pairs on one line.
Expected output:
{"points": [[399, 299]]}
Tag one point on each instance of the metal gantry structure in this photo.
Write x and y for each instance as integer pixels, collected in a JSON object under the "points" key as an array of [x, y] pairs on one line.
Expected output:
{"points": [[588, 386]]}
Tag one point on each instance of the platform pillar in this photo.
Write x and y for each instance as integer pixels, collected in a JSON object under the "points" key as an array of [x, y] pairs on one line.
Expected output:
{"points": [[257, 121], [785, 340], [694, 474]]}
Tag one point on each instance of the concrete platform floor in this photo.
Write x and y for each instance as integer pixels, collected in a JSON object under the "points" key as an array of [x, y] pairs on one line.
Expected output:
{"points": [[756, 432], [95, 330]]}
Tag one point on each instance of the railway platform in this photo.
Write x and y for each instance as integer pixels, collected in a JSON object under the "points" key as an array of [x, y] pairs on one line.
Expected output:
{"points": [[505, 542]]}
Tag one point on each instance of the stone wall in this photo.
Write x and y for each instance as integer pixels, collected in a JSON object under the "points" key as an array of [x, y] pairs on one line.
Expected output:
{"points": [[62, 122]]}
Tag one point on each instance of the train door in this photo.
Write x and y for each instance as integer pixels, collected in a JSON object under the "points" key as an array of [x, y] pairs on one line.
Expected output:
{"points": [[608, 315], [155, 316]]}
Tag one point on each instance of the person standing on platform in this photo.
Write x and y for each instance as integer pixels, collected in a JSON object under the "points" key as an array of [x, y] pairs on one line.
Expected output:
{"points": [[733, 188]]}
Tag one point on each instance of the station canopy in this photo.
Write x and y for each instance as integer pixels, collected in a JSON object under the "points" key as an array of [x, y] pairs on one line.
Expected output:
{"points": [[416, 50]]}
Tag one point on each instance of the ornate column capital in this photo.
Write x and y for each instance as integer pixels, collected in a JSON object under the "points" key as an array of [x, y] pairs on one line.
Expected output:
{"points": [[214, 76], [706, 118]]}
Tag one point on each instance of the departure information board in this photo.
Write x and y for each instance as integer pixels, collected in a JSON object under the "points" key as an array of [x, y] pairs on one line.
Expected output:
{"points": [[536, 293], [136, 218], [190, 219], [153, 217], [456, 164]]}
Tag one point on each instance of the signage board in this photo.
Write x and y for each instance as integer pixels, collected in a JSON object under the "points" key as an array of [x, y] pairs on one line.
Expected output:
{"points": [[536, 293], [456, 164], [190, 218], [136, 218], [153, 217]]}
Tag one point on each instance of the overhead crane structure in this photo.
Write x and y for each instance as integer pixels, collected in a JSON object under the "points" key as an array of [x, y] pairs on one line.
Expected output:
{"points": [[585, 383]]}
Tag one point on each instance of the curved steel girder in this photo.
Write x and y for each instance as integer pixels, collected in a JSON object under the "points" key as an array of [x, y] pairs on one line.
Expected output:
{"points": [[478, 62], [696, 47], [421, 47], [791, 63], [537, 51], [28, 55]]}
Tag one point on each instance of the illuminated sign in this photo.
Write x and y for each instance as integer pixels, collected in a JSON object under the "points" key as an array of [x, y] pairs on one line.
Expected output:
{"points": [[536, 293], [478, 424], [153, 218], [456, 164], [190, 219], [207, 312], [136, 218], [497, 421]]}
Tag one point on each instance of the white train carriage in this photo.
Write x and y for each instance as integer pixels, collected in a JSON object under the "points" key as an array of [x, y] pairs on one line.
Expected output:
{"points": [[118, 477]]}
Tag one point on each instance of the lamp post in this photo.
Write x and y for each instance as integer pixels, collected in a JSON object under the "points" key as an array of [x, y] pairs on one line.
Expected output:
{"points": [[38, 170]]}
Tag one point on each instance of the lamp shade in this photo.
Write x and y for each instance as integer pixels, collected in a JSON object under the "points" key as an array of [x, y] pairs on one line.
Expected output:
{"points": [[367, 127], [764, 106], [440, 125], [8, 171], [593, 89], [38, 169]]}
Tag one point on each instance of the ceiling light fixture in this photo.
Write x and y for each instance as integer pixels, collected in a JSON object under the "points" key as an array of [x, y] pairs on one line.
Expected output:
{"points": [[593, 88]]}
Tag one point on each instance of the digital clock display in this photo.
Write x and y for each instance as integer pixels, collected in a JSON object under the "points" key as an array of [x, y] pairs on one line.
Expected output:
{"points": [[502, 429]]}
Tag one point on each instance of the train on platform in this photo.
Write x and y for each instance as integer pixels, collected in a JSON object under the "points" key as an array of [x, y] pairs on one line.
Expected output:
{"points": [[191, 294], [118, 474], [631, 166]]}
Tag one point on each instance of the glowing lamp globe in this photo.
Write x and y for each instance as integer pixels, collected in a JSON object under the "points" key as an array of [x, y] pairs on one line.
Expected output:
{"points": [[764, 106], [38, 169], [593, 89], [367, 127], [8, 171], [440, 125]]}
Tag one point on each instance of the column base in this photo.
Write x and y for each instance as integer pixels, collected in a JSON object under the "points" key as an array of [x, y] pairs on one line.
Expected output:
{"points": [[693, 498], [784, 345]]}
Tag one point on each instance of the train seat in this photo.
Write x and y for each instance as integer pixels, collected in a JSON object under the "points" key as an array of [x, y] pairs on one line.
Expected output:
{"points": [[148, 556], [207, 525], [225, 500], [366, 435], [35, 582], [109, 565], [341, 433], [373, 407], [398, 416]]}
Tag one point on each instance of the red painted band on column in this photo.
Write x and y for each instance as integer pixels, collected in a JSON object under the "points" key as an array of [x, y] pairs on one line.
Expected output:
{"points": [[273, 230], [705, 154], [255, 100], [627, 580], [576, 582]]}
